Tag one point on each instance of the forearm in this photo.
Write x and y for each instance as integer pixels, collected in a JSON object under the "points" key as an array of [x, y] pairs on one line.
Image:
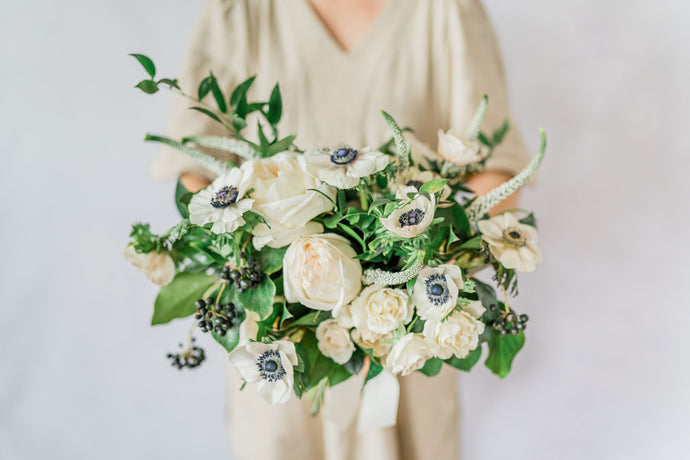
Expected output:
{"points": [[194, 182], [484, 182]]}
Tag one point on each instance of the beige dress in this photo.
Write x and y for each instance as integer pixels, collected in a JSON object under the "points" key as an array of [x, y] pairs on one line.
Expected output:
{"points": [[425, 62]]}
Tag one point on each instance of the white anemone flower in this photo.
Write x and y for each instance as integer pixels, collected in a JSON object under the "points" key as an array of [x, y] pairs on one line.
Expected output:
{"points": [[415, 177], [414, 217], [345, 166], [512, 243], [269, 365], [222, 203], [435, 293]]}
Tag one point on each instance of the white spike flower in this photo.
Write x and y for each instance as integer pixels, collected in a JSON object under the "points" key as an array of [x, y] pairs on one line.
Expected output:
{"points": [[435, 293], [414, 217], [512, 243], [269, 365], [222, 203], [345, 166]]}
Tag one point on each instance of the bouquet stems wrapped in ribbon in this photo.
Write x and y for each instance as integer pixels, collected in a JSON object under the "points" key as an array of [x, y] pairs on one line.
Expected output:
{"points": [[329, 272]]}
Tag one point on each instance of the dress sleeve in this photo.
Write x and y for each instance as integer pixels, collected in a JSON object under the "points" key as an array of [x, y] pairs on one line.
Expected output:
{"points": [[476, 68], [215, 45]]}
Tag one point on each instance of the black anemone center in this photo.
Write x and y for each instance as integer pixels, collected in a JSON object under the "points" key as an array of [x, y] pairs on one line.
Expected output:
{"points": [[414, 183], [514, 234], [271, 366], [343, 156], [411, 217], [514, 237], [437, 289], [224, 197]]}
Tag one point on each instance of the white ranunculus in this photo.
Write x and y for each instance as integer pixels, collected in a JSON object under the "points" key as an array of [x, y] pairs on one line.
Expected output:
{"points": [[282, 196], [458, 335], [334, 341], [159, 268], [457, 150], [321, 272], [410, 353], [420, 152], [343, 315], [414, 217], [269, 365], [474, 308], [435, 292], [379, 344], [249, 328], [381, 309], [512, 243], [222, 203], [345, 166]]}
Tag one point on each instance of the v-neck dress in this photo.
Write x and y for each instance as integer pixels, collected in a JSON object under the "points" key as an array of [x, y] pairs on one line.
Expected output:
{"points": [[425, 62]]}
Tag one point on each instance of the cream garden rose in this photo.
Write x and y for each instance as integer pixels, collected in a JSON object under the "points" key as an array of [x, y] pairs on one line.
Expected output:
{"points": [[457, 150], [159, 268], [514, 244], [334, 341], [282, 196], [379, 344], [381, 309], [458, 335], [321, 272], [410, 353]]}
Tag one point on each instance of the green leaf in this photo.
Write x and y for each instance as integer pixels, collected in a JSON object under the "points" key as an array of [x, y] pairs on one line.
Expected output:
{"points": [[231, 338], [468, 362], [207, 112], [316, 365], [529, 220], [472, 243], [338, 374], [147, 63], [275, 106], [486, 293], [259, 299], [218, 96], [240, 92], [263, 141], [455, 215], [432, 367], [312, 319], [176, 300], [182, 198], [281, 145], [502, 351], [171, 83], [374, 370], [147, 86], [205, 86], [354, 365], [272, 259], [433, 185], [501, 132]]}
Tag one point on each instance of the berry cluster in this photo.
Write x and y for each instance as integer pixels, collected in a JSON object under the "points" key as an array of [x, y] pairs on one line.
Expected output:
{"points": [[218, 318], [247, 276], [191, 357], [509, 323]]}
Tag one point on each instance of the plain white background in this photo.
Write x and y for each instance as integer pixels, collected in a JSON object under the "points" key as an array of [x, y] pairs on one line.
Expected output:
{"points": [[604, 374]]}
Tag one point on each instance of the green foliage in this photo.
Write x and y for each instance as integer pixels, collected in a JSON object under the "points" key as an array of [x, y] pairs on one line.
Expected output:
{"points": [[316, 366], [502, 351], [182, 198], [468, 362], [147, 86], [143, 240], [432, 367], [146, 63], [275, 107], [272, 259], [176, 300], [260, 299]]}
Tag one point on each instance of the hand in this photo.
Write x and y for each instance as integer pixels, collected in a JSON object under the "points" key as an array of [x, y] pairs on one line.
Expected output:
{"points": [[194, 182]]}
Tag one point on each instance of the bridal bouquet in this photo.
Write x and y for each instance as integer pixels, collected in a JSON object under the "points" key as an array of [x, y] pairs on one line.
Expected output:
{"points": [[313, 267]]}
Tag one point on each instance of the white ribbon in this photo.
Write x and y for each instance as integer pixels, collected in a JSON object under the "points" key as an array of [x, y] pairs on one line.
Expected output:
{"points": [[377, 402]]}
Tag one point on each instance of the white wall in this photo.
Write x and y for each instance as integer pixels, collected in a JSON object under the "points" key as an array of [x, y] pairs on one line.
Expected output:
{"points": [[604, 373]]}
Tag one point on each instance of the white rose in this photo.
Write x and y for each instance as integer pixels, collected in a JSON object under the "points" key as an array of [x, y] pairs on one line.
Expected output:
{"points": [[343, 315], [474, 308], [269, 365], [379, 344], [334, 341], [511, 243], [409, 354], [282, 197], [381, 309], [414, 217], [345, 166], [321, 272], [435, 292], [458, 335], [158, 268], [457, 150]]}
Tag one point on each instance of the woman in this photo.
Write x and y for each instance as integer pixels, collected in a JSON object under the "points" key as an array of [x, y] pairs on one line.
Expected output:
{"points": [[339, 62]]}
